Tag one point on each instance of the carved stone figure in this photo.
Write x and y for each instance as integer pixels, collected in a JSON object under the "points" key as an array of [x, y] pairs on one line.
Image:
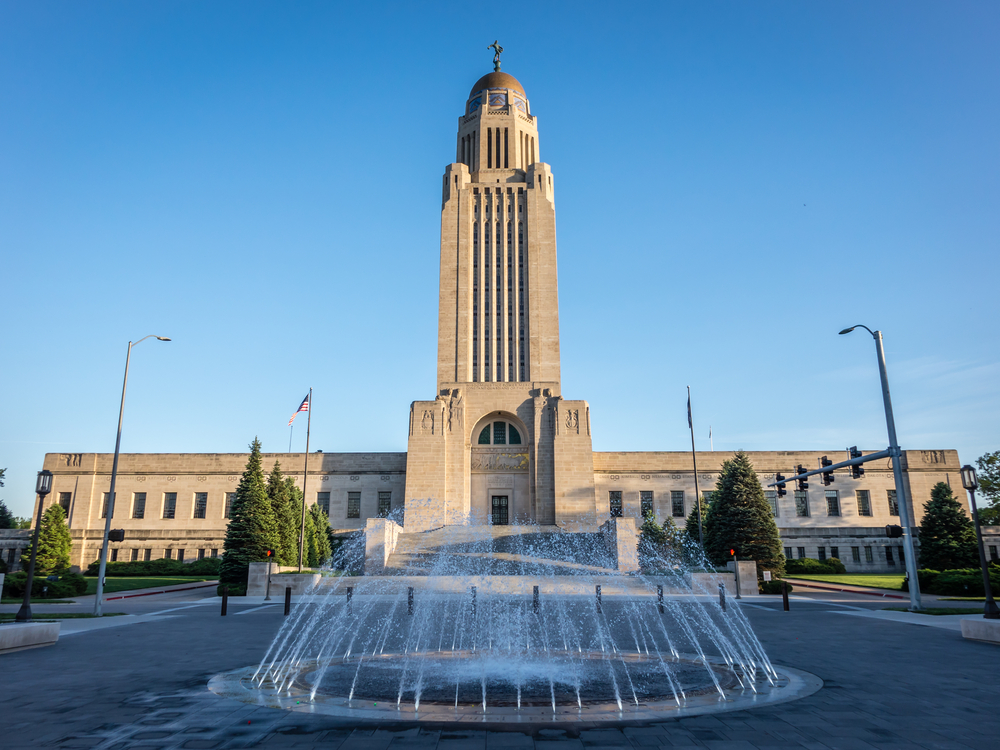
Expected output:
{"points": [[496, 57], [427, 422], [455, 409]]}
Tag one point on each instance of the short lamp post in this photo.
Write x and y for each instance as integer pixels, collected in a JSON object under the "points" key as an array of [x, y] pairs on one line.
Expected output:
{"points": [[43, 486], [971, 483]]}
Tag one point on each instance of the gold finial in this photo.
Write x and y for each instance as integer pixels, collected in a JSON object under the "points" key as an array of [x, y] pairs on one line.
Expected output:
{"points": [[496, 56]]}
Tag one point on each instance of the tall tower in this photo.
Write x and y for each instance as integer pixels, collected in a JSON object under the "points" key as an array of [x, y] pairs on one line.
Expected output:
{"points": [[496, 444]]}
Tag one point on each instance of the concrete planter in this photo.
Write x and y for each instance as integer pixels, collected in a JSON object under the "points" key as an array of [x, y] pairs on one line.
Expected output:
{"points": [[17, 636]]}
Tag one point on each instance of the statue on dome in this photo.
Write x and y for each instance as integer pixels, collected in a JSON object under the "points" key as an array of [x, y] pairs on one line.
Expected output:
{"points": [[496, 56]]}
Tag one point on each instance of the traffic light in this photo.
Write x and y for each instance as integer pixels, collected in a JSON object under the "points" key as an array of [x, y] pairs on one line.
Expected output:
{"points": [[827, 475], [893, 532], [803, 484], [780, 479], [269, 553], [857, 471], [116, 535]]}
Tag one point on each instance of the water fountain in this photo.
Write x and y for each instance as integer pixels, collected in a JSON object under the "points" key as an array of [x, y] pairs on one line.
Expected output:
{"points": [[523, 624]]}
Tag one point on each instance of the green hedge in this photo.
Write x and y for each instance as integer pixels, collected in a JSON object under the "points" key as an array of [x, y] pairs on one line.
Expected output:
{"points": [[67, 585], [806, 565], [962, 582], [772, 587], [235, 589], [152, 568]]}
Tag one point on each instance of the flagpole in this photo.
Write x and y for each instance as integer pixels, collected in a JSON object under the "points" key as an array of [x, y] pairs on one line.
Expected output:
{"points": [[305, 477], [291, 427], [694, 460]]}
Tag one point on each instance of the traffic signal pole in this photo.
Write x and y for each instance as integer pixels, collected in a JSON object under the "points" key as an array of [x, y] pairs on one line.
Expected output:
{"points": [[897, 474]]}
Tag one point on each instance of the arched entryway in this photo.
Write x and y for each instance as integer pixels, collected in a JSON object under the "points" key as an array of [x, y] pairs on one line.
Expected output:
{"points": [[499, 471]]}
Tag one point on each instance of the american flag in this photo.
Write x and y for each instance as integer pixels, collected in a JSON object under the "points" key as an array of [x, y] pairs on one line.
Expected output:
{"points": [[304, 406]]}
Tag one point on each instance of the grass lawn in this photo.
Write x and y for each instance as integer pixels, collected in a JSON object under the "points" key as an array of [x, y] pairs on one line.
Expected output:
{"points": [[46, 616], [875, 580], [940, 610], [112, 585]]}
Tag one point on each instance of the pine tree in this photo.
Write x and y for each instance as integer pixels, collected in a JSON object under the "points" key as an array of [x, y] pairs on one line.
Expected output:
{"points": [[252, 528], [691, 526], [295, 498], [988, 501], [6, 517], [54, 544], [287, 552], [321, 524], [947, 537], [741, 519]]}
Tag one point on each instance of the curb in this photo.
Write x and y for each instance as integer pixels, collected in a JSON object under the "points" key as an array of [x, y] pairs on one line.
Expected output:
{"points": [[162, 591], [811, 585]]}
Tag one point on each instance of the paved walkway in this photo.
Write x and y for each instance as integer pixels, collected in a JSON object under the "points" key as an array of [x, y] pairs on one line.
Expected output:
{"points": [[888, 684]]}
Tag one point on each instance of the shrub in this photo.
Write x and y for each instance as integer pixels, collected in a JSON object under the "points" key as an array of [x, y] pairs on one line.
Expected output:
{"points": [[147, 568], [962, 582], [926, 577], [67, 585], [772, 587], [235, 589], [806, 565]]}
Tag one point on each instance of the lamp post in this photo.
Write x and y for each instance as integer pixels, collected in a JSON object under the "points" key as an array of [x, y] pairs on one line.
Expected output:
{"points": [[897, 471], [43, 486], [109, 511], [971, 483]]}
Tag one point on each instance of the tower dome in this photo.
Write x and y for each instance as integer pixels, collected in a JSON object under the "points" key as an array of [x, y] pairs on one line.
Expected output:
{"points": [[497, 80]]}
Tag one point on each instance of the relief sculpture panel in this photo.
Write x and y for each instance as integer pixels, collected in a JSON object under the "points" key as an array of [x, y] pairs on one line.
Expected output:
{"points": [[499, 461]]}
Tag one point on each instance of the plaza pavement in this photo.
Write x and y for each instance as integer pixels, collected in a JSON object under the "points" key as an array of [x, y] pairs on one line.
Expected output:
{"points": [[891, 680]]}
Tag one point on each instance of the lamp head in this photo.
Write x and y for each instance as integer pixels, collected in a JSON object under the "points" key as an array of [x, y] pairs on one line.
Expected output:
{"points": [[969, 480], [162, 338], [847, 330], [43, 485]]}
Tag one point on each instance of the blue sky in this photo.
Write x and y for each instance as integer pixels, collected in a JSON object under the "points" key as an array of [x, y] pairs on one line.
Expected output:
{"points": [[260, 181]]}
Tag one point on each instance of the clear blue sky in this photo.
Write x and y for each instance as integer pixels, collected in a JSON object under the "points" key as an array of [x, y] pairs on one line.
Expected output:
{"points": [[736, 182]]}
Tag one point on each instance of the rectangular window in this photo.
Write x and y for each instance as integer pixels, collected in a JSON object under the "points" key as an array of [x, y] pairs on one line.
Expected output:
{"points": [[856, 554], [832, 503], [135, 555], [893, 503], [168, 554], [354, 505], [104, 506], [772, 501], [139, 505], [888, 556], [788, 553], [215, 553], [869, 557], [230, 499], [64, 500], [677, 503], [835, 552], [147, 555], [801, 503], [646, 503], [201, 554], [615, 503], [993, 552], [200, 504], [822, 553], [180, 555], [384, 504], [169, 504], [114, 555], [323, 501], [902, 559], [802, 552], [864, 502]]}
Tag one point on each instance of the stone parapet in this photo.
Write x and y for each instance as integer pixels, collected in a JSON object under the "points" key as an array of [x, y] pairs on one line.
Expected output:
{"points": [[380, 542], [17, 636], [622, 542]]}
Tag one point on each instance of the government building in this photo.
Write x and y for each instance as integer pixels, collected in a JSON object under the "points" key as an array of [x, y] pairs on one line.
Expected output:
{"points": [[496, 442]]}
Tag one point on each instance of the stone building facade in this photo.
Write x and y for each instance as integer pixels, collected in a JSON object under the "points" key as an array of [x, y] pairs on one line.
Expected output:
{"points": [[497, 443]]}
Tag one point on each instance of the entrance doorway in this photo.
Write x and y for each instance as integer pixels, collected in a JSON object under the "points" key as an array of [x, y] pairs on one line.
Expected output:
{"points": [[500, 517]]}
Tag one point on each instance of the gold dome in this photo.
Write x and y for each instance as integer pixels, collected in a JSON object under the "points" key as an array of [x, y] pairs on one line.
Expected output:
{"points": [[497, 80]]}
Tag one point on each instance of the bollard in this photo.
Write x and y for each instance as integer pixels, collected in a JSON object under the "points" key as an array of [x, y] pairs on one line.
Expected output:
{"points": [[784, 594], [736, 567], [225, 600], [350, 593], [288, 600], [598, 592], [659, 598], [409, 600], [722, 596], [535, 598], [473, 600]]}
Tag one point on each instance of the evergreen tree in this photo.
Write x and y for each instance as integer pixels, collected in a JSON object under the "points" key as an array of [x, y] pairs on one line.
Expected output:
{"points": [[321, 524], [741, 519], [988, 499], [287, 551], [947, 537], [295, 498], [252, 528], [54, 544], [6, 517]]}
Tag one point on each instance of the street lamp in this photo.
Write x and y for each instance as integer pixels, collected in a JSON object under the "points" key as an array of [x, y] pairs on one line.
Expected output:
{"points": [[43, 486], [110, 510], [969, 481], [897, 471]]}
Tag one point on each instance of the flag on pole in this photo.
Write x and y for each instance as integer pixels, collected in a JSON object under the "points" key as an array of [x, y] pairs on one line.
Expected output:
{"points": [[304, 406], [689, 411]]}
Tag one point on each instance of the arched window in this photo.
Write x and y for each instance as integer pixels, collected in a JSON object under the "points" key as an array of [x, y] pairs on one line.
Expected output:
{"points": [[499, 432]]}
